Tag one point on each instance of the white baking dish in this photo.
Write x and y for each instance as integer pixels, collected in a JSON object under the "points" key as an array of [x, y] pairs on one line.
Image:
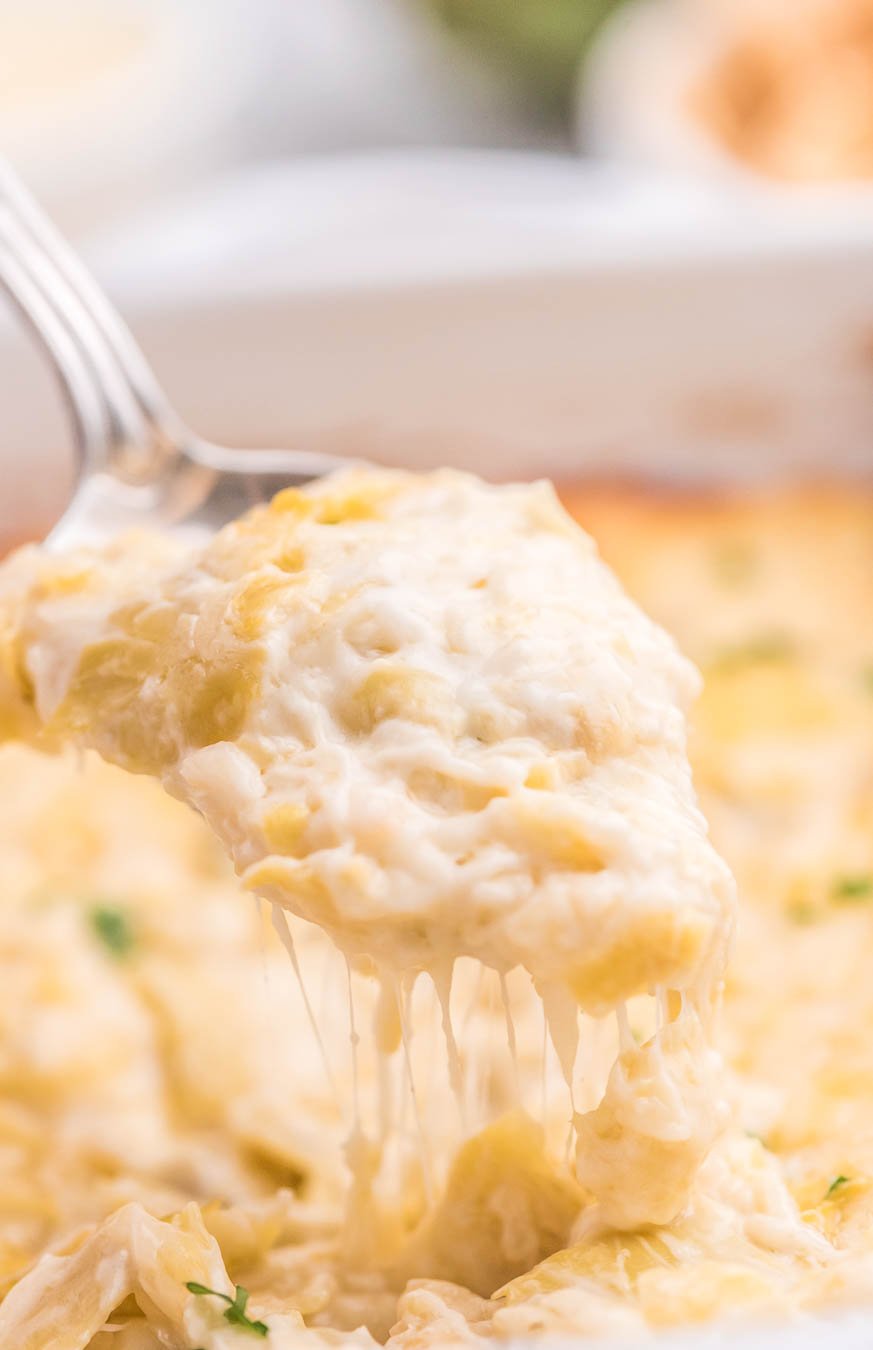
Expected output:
{"points": [[515, 315], [524, 313]]}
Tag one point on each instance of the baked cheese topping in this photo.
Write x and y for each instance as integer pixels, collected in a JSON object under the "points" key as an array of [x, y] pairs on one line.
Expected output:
{"points": [[421, 713], [166, 1126]]}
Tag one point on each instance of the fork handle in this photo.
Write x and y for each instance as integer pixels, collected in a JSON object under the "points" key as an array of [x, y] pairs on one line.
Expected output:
{"points": [[123, 424], [138, 462]]}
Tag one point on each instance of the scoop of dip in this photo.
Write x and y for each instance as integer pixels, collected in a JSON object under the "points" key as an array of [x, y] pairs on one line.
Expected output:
{"points": [[420, 712]]}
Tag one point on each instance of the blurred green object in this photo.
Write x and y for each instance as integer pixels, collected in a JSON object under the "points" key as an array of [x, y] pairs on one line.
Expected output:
{"points": [[540, 43]]}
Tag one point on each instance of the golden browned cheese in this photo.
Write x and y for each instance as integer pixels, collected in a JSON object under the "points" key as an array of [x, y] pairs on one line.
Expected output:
{"points": [[165, 1117]]}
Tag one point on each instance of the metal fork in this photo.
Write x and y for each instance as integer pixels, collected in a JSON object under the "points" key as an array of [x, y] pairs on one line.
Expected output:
{"points": [[137, 462]]}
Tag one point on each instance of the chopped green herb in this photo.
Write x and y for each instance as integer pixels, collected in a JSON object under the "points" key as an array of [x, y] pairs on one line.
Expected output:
{"points": [[764, 649], [859, 887], [734, 562], [113, 928], [835, 1185], [235, 1312]]}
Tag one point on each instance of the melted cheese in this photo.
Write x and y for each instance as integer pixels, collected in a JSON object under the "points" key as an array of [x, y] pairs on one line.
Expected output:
{"points": [[165, 1115], [421, 713]]}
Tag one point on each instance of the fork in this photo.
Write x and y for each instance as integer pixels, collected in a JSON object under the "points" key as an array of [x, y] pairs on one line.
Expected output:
{"points": [[137, 462]]}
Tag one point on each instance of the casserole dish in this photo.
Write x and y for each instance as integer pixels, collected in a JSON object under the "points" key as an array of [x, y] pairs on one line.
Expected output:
{"points": [[482, 354], [489, 305]]}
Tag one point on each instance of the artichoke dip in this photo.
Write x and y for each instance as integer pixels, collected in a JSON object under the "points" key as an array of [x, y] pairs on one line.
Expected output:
{"points": [[447, 755]]}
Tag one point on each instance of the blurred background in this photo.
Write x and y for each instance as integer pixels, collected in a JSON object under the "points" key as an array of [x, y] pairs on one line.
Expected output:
{"points": [[431, 229]]}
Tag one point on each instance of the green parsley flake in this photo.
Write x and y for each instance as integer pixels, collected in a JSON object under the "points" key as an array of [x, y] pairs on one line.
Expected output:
{"points": [[112, 926], [235, 1312], [858, 887], [835, 1185]]}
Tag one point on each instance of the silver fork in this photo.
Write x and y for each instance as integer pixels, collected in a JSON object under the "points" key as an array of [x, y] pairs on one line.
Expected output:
{"points": [[137, 462]]}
